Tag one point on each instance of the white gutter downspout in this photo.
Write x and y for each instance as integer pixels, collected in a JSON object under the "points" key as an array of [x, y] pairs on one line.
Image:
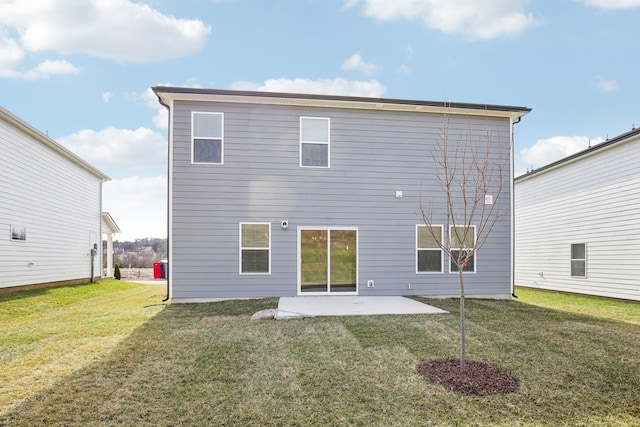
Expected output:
{"points": [[513, 214], [170, 203]]}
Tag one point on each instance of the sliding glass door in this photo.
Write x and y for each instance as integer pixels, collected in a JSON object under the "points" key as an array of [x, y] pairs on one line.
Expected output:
{"points": [[328, 261]]}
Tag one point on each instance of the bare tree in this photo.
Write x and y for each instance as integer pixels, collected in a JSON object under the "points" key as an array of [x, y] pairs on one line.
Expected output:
{"points": [[471, 172]]}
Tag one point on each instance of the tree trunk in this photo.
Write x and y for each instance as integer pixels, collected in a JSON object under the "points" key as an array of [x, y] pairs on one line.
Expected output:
{"points": [[462, 331]]}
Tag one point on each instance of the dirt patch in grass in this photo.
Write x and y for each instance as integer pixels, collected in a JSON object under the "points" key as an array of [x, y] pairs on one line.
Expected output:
{"points": [[478, 379]]}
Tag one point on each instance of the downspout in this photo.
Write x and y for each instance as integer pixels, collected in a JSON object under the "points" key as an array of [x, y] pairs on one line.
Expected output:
{"points": [[166, 298], [93, 251], [168, 275], [513, 215]]}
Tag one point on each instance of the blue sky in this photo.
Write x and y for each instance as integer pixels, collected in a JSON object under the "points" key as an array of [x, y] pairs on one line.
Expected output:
{"points": [[81, 70]]}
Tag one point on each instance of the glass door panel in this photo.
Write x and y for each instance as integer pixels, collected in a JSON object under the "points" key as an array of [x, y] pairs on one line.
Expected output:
{"points": [[313, 261], [343, 260]]}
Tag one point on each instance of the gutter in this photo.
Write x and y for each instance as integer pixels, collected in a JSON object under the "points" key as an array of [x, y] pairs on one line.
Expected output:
{"points": [[513, 214], [167, 296]]}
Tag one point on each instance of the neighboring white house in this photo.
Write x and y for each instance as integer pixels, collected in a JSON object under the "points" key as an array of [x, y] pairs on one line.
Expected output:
{"points": [[50, 210], [109, 228], [577, 226]]}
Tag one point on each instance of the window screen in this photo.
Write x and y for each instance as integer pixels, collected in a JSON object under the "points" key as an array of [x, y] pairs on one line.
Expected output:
{"points": [[428, 252], [207, 140], [314, 142], [255, 247]]}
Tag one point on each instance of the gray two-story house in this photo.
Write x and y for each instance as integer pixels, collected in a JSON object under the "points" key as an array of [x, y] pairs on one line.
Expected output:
{"points": [[281, 194]]}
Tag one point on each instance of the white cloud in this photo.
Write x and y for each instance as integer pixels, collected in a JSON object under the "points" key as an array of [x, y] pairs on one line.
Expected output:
{"points": [[150, 99], [612, 4], [112, 148], [161, 119], [106, 97], [138, 205], [355, 62], [606, 85], [12, 55], [371, 88], [546, 151], [116, 29], [404, 69], [470, 18], [409, 51], [51, 68]]}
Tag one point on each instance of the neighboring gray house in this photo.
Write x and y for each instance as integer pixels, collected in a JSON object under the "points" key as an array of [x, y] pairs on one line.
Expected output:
{"points": [[50, 210], [280, 194], [578, 222]]}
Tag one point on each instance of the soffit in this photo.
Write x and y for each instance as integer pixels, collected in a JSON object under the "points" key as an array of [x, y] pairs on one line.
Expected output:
{"points": [[168, 94]]}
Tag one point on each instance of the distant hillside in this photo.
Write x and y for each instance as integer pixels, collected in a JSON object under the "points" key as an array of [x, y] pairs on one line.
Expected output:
{"points": [[141, 253]]}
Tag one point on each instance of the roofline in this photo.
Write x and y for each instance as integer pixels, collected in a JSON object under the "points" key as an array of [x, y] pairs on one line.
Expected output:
{"points": [[166, 94], [625, 137], [108, 219], [20, 124]]}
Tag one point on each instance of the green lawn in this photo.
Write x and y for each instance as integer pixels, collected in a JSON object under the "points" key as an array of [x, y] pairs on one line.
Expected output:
{"points": [[105, 354], [624, 311]]}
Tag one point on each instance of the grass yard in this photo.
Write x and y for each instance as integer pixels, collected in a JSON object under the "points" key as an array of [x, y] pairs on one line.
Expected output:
{"points": [[103, 355], [624, 311]]}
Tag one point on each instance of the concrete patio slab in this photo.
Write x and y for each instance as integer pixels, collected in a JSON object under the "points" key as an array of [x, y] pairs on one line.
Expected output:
{"points": [[344, 305]]}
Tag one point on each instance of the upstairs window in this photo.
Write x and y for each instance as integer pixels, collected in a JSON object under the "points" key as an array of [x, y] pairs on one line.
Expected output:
{"points": [[462, 238], [314, 142], [579, 260], [255, 248], [428, 252], [207, 138]]}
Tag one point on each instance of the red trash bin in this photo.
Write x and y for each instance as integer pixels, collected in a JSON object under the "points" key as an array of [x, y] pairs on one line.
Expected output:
{"points": [[156, 270]]}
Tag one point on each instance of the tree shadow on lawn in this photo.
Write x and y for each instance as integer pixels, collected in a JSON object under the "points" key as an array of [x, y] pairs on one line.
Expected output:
{"points": [[188, 363]]}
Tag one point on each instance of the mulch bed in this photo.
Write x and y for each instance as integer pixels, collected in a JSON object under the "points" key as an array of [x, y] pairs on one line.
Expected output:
{"points": [[478, 378]]}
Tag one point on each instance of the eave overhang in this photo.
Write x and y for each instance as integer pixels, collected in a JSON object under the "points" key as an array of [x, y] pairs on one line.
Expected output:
{"points": [[109, 222], [167, 95]]}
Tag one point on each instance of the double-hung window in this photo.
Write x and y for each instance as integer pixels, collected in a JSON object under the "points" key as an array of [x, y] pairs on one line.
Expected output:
{"points": [[463, 238], [255, 248], [579, 260], [428, 252], [314, 142], [207, 138]]}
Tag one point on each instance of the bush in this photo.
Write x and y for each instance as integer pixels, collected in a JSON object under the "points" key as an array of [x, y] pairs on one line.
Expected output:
{"points": [[116, 272]]}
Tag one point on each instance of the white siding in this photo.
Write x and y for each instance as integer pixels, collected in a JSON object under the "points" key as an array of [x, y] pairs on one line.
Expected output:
{"points": [[593, 200], [59, 203]]}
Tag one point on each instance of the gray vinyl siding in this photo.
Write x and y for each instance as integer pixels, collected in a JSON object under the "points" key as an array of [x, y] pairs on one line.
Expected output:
{"points": [[57, 201], [373, 155], [593, 200]]}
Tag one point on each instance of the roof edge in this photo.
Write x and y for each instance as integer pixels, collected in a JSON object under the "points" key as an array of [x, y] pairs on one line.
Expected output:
{"points": [[624, 137], [25, 127], [108, 219], [166, 93]]}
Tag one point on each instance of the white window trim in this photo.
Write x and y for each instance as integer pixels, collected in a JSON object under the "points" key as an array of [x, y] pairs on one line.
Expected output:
{"points": [[254, 273], [430, 249], [327, 142], [20, 231], [221, 139], [475, 255], [571, 259]]}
